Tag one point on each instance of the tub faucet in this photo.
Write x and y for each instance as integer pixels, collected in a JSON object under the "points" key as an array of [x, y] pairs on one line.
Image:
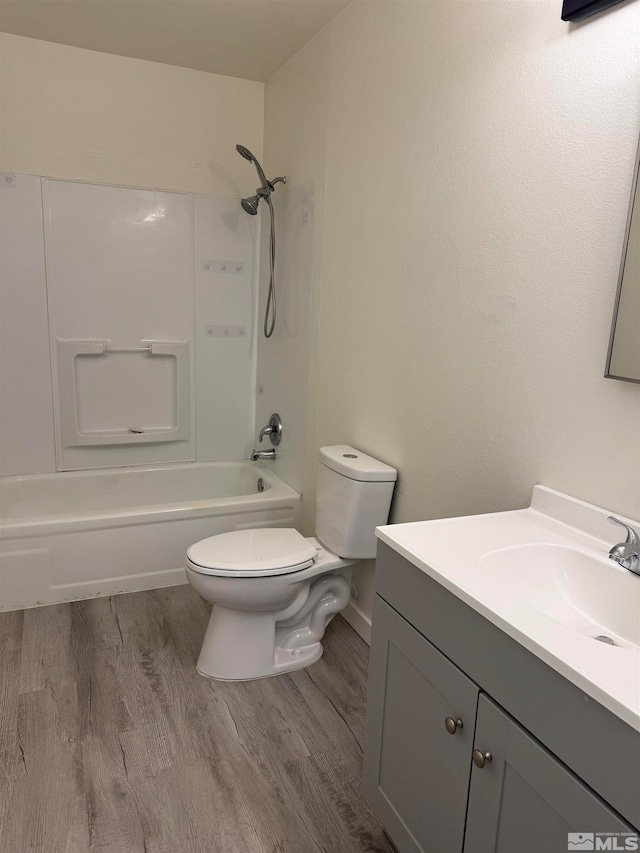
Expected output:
{"points": [[626, 554], [269, 455]]}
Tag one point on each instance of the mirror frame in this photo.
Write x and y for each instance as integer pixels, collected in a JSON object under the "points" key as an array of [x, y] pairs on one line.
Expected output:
{"points": [[625, 246]]}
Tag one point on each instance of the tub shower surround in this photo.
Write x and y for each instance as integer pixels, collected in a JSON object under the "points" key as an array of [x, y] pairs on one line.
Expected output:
{"points": [[75, 535], [129, 315], [135, 339]]}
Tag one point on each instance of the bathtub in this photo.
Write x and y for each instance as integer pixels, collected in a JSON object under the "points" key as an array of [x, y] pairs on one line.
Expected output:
{"points": [[75, 535]]}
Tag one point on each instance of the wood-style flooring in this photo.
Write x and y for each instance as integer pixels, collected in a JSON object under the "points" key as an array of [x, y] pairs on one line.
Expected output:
{"points": [[110, 740]]}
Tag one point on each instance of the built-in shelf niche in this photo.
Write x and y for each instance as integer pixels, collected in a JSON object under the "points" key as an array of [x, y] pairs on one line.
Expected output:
{"points": [[123, 394]]}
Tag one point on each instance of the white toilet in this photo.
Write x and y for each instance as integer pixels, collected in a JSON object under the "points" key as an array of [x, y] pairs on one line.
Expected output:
{"points": [[273, 590]]}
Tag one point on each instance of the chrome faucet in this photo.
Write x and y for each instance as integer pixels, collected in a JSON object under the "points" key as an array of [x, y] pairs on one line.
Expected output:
{"points": [[269, 455], [274, 430], [626, 554]]}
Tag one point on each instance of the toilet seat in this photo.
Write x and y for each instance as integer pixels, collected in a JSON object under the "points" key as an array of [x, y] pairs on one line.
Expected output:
{"points": [[260, 552]]}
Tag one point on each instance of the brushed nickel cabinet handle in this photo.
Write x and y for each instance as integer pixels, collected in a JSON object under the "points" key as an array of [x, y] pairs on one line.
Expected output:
{"points": [[481, 758], [452, 725]]}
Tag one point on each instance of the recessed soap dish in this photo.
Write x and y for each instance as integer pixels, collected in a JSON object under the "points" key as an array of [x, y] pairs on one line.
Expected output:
{"points": [[602, 638]]}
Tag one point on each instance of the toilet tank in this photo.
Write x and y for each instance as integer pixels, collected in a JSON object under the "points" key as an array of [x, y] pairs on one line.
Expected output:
{"points": [[353, 497]]}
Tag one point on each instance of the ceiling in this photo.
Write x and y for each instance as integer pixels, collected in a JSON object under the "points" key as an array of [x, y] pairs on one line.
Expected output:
{"points": [[240, 38]]}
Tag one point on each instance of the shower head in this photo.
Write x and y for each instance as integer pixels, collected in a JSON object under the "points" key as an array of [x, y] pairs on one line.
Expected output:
{"points": [[244, 152], [250, 205]]}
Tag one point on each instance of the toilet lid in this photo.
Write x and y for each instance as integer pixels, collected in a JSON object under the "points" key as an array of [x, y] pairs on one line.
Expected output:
{"points": [[268, 550]]}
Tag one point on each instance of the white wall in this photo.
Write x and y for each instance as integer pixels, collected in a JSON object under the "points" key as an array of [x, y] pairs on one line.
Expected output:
{"points": [[27, 443], [225, 365], [473, 164], [89, 116], [286, 362], [119, 269]]}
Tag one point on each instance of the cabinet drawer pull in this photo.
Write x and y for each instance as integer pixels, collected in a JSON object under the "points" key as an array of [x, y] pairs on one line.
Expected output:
{"points": [[452, 725], [480, 758]]}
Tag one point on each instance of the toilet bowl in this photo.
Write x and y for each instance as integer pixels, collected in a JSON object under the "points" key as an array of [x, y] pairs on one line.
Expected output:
{"points": [[273, 590], [261, 623]]}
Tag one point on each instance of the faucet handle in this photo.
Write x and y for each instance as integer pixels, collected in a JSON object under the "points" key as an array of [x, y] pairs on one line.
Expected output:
{"points": [[273, 430], [632, 536], [268, 430]]}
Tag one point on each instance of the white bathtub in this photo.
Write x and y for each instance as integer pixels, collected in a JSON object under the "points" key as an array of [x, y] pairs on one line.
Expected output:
{"points": [[75, 535]]}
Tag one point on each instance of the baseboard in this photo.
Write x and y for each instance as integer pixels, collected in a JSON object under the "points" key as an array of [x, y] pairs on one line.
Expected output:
{"points": [[358, 621]]}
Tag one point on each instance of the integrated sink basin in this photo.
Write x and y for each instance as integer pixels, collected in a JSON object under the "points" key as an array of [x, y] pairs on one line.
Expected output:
{"points": [[590, 595], [543, 576]]}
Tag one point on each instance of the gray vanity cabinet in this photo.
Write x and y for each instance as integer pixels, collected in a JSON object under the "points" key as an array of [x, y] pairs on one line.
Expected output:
{"points": [[560, 762], [524, 799], [416, 772]]}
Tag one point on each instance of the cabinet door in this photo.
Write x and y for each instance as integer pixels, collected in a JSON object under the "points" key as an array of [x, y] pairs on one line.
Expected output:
{"points": [[416, 774], [524, 799]]}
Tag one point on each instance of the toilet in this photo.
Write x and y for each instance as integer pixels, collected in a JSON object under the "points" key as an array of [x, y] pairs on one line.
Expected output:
{"points": [[273, 590]]}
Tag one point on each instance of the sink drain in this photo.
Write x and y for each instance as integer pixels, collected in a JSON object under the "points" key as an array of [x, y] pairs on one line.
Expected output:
{"points": [[602, 638]]}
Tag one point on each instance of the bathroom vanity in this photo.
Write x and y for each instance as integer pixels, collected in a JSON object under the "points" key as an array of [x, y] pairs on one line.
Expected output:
{"points": [[496, 719]]}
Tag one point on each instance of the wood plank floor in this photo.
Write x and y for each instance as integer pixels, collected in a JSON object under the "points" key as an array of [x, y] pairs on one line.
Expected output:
{"points": [[111, 741]]}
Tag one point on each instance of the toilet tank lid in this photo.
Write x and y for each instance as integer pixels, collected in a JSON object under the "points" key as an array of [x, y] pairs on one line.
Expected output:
{"points": [[355, 465]]}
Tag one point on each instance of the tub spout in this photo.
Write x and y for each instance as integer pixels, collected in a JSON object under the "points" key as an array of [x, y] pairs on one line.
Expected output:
{"points": [[269, 455]]}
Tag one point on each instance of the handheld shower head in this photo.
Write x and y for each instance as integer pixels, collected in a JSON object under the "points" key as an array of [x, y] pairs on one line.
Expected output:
{"points": [[244, 152], [250, 205]]}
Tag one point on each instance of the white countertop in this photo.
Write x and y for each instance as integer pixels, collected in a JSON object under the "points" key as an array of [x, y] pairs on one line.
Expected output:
{"points": [[454, 551]]}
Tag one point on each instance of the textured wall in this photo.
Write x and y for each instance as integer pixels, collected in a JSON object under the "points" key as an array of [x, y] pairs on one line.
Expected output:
{"points": [[475, 162], [88, 116]]}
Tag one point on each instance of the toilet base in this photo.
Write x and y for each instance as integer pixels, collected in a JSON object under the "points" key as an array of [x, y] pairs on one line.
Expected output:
{"points": [[244, 645], [285, 661]]}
